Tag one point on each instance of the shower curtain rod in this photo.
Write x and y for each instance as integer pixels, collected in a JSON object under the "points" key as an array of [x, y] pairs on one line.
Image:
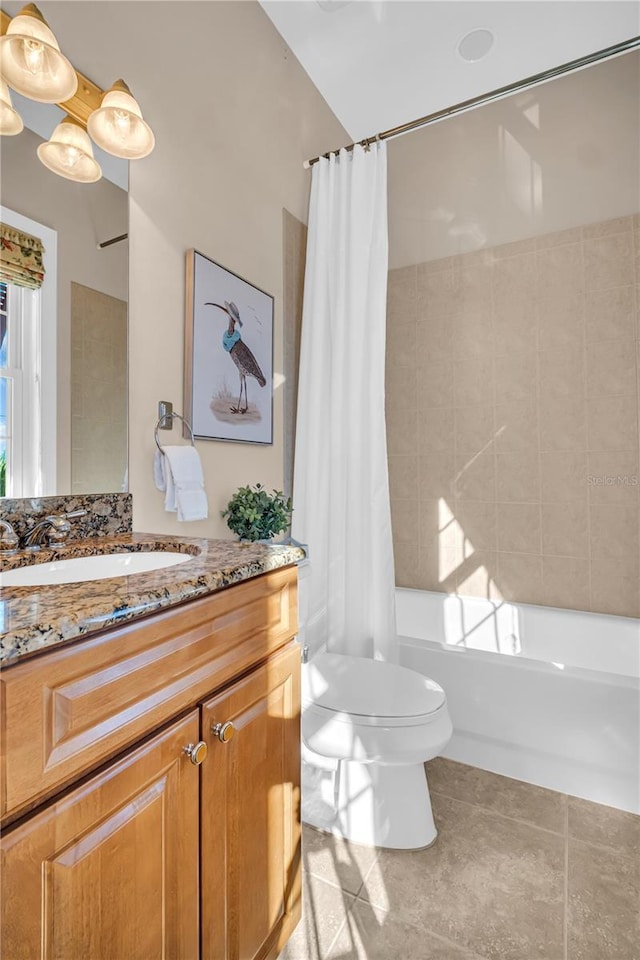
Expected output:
{"points": [[606, 53]]}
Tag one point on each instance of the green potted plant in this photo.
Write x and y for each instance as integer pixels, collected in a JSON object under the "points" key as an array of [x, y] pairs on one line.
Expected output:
{"points": [[253, 514]]}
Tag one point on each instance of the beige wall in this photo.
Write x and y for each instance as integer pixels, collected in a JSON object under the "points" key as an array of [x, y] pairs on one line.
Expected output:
{"points": [[564, 154], [295, 255], [512, 395], [83, 215], [98, 391], [217, 182]]}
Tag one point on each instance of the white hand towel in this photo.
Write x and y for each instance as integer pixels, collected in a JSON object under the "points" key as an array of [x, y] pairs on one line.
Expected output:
{"points": [[185, 483], [163, 478]]}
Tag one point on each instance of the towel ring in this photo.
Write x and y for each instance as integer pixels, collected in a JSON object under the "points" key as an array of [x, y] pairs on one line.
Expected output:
{"points": [[172, 416]]}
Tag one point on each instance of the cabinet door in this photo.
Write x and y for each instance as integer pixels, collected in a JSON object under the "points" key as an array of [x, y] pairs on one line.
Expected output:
{"points": [[110, 871], [250, 816]]}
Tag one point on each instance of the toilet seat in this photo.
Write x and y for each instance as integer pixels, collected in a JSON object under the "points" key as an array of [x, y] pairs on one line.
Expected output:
{"points": [[368, 692]]}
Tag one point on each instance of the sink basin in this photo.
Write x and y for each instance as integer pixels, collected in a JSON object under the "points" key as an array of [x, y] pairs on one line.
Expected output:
{"points": [[98, 567]]}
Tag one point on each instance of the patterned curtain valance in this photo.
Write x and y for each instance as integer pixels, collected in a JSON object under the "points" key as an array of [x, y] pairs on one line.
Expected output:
{"points": [[20, 258]]}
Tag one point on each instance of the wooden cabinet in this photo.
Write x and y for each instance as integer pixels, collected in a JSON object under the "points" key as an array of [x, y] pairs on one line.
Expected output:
{"points": [[150, 855], [249, 819], [110, 871]]}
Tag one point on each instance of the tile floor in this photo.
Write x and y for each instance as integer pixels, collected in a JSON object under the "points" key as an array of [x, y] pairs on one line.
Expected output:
{"points": [[517, 873]]}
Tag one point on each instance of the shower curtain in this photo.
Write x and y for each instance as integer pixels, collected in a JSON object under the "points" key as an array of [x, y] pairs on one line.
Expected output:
{"points": [[341, 487]]}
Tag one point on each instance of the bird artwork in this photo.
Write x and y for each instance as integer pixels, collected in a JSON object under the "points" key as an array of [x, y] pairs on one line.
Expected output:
{"points": [[240, 353]]}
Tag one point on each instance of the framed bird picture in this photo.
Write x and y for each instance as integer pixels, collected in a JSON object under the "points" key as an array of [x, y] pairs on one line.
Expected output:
{"points": [[228, 354]]}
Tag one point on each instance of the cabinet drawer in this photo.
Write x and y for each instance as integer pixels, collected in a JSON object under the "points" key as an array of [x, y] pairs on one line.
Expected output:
{"points": [[67, 711]]}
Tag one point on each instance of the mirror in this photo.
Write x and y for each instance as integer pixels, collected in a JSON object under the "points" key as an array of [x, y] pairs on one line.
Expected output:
{"points": [[63, 359]]}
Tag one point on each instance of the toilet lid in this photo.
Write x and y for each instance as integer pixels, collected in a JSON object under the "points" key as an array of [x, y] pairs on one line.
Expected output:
{"points": [[368, 688]]}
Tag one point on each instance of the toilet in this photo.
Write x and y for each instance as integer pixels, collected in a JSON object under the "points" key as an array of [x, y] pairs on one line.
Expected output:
{"points": [[368, 726]]}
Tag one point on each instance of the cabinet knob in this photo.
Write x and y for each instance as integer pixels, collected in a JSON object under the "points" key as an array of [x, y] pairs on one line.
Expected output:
{"points": [[223, 731], [197, 752]]}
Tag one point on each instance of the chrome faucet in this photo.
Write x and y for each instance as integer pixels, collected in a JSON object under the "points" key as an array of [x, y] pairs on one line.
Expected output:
{"points": [[9, 539], [53, 529]]}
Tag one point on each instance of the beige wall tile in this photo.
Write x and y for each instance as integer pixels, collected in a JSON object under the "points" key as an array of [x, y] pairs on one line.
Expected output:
{"points": [[402, 431], [565, 529], [614, 530], [560, 321], [560, 272], [435, 384], [403, 478], [516, 426], [607, 227], [433, 341], [514, 249], [473, 381], [520, 577], [612, 424], [615, 587], [476, 522], [610, 314], [608, 261], [561, 373], [475, 477], [436, 476], [517, 477], [477, 575], [435, 431], [515, 327], [438, 293], [474, 428], [562, 424], [402, 345], [404, 519], [613, 477], [402, 296], [519, 527], [563, 476], [401, 389], [406, 562], [472, 332], [572, 235], [515, 376], [566, 582], [515, 279], [611, 368]]}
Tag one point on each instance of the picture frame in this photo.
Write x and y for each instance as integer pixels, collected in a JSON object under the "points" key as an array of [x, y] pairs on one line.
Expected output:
{"points": [[228, 356]]}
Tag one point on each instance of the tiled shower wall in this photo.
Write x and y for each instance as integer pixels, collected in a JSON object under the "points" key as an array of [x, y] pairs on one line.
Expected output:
{"points": [[513, 420]]}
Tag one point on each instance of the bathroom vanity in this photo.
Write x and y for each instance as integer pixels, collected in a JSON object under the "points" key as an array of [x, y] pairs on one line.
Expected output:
{"points": [[150, 760]]}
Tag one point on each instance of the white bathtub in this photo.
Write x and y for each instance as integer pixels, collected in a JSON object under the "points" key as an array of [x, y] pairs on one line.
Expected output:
{"points": [[544, 695]]}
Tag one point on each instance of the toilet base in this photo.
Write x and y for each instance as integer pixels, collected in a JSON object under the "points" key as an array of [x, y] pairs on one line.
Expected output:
{"points": [[369, 803]]}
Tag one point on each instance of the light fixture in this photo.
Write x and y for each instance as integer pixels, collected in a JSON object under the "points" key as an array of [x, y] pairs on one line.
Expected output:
{"points": [[117, 125], [69, 153], [31, 61], [10, 120]]}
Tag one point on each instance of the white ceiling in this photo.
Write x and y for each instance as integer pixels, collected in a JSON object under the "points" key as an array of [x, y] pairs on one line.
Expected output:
{"points": [[381, 63]]}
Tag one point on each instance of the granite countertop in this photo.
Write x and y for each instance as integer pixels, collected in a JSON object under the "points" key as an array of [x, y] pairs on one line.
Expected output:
{"points": [[35, 618]]}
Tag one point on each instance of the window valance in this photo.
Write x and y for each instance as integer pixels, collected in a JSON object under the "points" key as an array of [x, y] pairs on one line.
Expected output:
{"points": [[20, 258]]}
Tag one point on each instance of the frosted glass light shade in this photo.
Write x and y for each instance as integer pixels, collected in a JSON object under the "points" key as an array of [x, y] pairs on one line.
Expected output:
{"points": [[117, 125], [10, 120], [69, 153], [31, 61]]}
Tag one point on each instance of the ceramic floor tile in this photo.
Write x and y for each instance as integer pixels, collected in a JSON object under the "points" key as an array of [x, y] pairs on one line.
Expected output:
{"points": [[373, 934], [604, 904], [491, 885], [335, 860], [512, 798], [324, 910], [595, 823]]}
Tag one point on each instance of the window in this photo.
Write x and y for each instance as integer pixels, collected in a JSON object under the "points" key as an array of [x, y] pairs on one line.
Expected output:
{"points": [[20, 457]]}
